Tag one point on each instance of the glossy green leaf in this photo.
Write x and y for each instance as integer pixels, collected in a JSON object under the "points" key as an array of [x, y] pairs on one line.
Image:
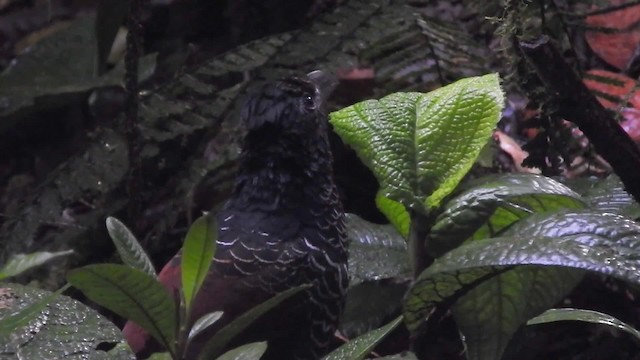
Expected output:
{"points": [[419, 146], [360, 347], [608, 195], [10, 323], [129, 249], [493, 311], [493, 203], [251, 351], [375, 251], [20, 263], [197, 254], [203, 323], [595, 317], [132, 294], [494, 299], [219, 341], [56, 327]]}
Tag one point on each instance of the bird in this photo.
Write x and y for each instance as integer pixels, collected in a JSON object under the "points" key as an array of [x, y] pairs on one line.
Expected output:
{"points": [[283, 226]]}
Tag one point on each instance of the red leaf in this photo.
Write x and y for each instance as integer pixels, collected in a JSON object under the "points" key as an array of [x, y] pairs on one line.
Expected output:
{"points": [[613, 85], [615, 48]]}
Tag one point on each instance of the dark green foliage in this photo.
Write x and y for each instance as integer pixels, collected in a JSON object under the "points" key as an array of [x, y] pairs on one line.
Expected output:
{"points": [[180, 117], [492, 204], [13, 322], [55, 327], [360, 347], [376, 252], [408, 50], [486, 239], [132, 294]]}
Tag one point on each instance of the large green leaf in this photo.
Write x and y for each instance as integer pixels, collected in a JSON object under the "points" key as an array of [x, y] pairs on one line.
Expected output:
{"points": [[488, 312], [492, 312], [221, 339], [10, 323], [568, 314], [22, 262], [129, 249], [419, 146], [360, 347], [132, 294], [379, 275], [609, 195], [375, 251], [492, 203], [197, 254], [370, 304], [57, 327]]}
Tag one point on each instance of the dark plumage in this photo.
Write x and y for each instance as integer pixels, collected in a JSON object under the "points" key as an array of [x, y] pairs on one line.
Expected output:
{"points": [[282, 227]]}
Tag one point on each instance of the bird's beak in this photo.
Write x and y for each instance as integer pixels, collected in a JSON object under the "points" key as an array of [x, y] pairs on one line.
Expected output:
{"points": [[325, 82]]}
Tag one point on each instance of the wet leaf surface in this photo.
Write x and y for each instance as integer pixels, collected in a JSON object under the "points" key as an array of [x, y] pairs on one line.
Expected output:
{"points": [[562, 243], [375, 251], [608, 195], [493, 203], [65, 329], [360, 347], [379, 275]]}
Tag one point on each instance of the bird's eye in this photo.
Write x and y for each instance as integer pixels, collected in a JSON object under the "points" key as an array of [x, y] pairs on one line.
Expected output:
{"points": [[308, 102]]}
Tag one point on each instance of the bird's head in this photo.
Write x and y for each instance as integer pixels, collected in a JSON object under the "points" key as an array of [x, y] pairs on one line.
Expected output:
{"points": [[291, 106]]}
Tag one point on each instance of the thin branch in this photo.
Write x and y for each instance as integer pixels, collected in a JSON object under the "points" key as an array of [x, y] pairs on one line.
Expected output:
{"points": [[578, 105], [606, 10]]}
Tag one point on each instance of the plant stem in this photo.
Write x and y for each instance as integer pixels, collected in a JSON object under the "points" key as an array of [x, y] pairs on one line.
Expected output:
{"points": [[420, 225]]}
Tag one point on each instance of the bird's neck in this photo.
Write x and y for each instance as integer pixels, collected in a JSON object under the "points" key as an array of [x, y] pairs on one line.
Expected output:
{"points": [[284, 175]]}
